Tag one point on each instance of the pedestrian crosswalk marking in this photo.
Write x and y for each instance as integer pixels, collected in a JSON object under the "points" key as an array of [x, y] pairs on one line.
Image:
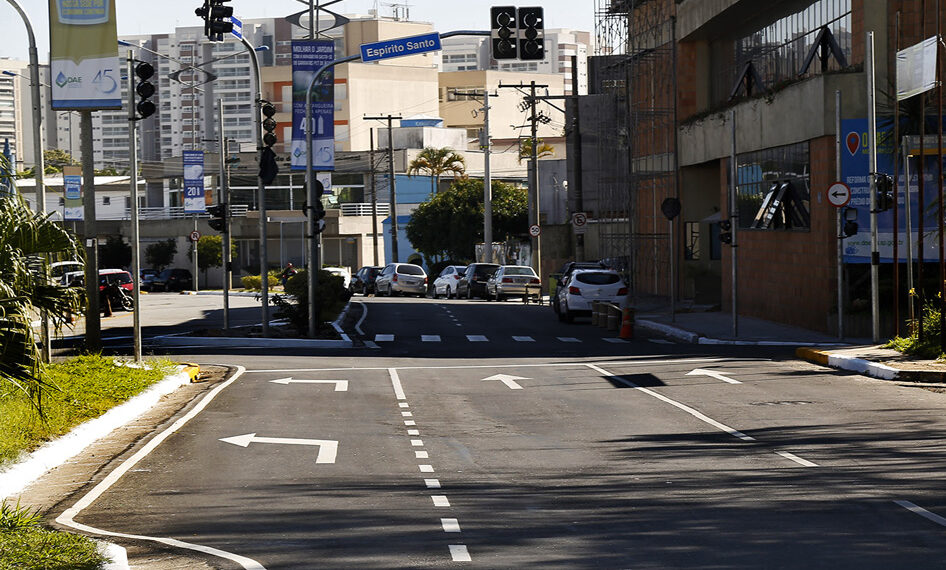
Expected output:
{"points": [[567, 339], [484, 338], [476, 338], [523, 339], [430, 338]]}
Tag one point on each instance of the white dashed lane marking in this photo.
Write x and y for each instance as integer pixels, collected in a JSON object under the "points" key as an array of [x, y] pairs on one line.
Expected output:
{"points": [[430, 338], [460, 553], [476, 338], [450, 525], [523, 339], [440, 500], [384, 338], [432, 483]]}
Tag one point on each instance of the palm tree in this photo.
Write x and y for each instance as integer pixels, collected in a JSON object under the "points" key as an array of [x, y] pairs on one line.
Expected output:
{"points": [[28, 241], [436, 161], [525, 149]]}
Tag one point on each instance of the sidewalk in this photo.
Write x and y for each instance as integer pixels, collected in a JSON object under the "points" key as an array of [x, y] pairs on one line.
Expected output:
{"points": [[699, 325]]}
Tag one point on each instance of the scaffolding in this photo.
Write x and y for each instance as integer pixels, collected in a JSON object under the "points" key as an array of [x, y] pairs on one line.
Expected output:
{"points": [[635, 155]]}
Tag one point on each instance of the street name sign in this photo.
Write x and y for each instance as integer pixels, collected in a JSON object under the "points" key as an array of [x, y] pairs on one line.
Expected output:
{"points": [[400, 47], [237, 30]]}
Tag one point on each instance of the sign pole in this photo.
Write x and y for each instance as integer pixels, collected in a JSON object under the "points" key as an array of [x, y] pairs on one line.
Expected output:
{"points": [[837, 171], [135, 239], [872, 143]]}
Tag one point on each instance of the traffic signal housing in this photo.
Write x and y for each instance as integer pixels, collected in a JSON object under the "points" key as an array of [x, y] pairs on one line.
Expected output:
{"points": [[269, 123], [725, 231], [218, 217], [503, 32], [884, 188], [531, 33], [145, 90], [319, 211], [216, 16], [850, 222]]}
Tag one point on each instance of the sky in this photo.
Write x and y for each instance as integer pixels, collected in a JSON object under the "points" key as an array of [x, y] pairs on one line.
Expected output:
{"points": [[162, 16]]}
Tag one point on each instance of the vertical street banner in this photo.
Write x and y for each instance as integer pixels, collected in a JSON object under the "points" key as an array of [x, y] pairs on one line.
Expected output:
{"points": [[72, 186], [194, 201], [916, 69], [307, 57], [83, 43]]}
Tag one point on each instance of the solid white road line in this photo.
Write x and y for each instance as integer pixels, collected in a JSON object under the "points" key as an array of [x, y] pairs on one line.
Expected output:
{"points": [[450, 525], [460, 553], [696, 414], [440, 500], [476, 338], [396, 382], [915, 509], [430, 338], [432, 483], [364, 314], [523, 339], [67, 518], [796, 459], [567, 339], [426, 468], [384, 338]]}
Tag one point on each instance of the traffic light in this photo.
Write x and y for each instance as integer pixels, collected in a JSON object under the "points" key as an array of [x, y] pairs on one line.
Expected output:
{"points": [[531, 34], [850, 222], [319, 212], [503, 32], [145, 90], [884, 186], [725, 231], [218, 217], [269, 123], [214, 14]]}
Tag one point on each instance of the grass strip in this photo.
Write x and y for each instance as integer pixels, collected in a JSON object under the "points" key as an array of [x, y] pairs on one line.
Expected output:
{"points": [[26, 545]]}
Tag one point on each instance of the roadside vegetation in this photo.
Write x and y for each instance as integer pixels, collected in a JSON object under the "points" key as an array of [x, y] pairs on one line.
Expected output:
{"points": [[929, 347], [25, 543]]}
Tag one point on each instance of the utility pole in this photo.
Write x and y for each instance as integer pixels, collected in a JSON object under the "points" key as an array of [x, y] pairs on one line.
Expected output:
{"points": [[374, 199], [223, 198], [394, 229], [485, 144], [872, 143], [135, 239], [579, 201], [93, 322]]}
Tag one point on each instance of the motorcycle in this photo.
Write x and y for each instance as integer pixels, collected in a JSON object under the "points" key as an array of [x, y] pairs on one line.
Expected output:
{"points": [[118, 297]]}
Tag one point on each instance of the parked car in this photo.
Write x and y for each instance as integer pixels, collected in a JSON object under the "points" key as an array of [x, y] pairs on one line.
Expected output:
{"points": [[401, 278], [446, 283], [342, 272], [583, 286], [473, 282], [173, 280], [117, 276], [147, 278], [59, 270], [514, 281], [363, 280], [564, 273]]}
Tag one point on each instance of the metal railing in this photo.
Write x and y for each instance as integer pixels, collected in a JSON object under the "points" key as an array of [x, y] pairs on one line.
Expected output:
{"points": [[172, 213], [364, 209]]}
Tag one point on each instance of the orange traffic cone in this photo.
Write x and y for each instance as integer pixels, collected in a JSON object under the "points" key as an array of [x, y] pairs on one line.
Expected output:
{"points": [[627, 324]]}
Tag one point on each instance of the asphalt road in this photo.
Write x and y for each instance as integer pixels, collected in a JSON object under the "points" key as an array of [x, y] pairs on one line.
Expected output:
{"points": [[493, 436]]}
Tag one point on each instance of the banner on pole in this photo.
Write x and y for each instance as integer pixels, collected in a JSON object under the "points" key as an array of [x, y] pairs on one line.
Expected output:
{"points": [[194, 201], [83, 54], [307, 57], [916, 69], [72, 185]]}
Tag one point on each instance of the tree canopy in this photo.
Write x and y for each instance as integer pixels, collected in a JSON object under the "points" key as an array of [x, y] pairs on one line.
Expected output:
{"points": [[451, 223], [435, 162], [525, 149]]}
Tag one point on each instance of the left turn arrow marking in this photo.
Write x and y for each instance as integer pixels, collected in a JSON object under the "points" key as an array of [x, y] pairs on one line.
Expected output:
{"points": [[328, 448]]}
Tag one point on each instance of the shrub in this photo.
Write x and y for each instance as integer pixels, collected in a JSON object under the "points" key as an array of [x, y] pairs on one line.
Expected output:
{"points": [[332, 299], [254, 283], [930, 347]]}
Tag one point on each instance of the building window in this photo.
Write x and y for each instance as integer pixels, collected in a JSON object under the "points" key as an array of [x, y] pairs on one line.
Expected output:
{"points": [[692, 244], [773, 190], [106, 201]]}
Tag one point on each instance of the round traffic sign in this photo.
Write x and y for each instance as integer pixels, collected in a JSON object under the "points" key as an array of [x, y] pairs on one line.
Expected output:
{"points": [[579, 219], [839, 194], [535, 230], [195, 235]]}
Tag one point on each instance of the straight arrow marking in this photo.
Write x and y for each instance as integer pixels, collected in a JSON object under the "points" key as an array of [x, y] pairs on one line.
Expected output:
{"points": [[328, 448], [509, 381], [340, 385], [712, 374]]}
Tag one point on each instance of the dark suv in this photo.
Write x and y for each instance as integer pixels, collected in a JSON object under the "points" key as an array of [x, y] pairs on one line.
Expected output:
{"points": [[363, 281], [473, 282], [173, 280]]}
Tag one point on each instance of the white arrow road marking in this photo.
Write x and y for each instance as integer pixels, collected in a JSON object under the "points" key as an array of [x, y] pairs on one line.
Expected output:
{"points": [[328, 448], [509, 381], [712, 374], [340, 385]]}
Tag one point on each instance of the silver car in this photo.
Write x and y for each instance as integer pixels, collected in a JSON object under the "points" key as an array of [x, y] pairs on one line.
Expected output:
{"points": [[401, 278], [514, 281]]}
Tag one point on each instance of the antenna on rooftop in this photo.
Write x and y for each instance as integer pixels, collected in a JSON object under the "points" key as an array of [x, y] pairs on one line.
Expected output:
{"points": [[402, 10]]}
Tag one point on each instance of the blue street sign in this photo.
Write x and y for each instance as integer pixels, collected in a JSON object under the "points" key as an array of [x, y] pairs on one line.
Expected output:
{"points": [[400, 47], [237, 30]]}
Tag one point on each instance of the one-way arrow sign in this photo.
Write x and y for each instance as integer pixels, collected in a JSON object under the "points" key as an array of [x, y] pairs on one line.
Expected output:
{"points": [[712, 374], [509, 381], [328, 448], [340, 385]]}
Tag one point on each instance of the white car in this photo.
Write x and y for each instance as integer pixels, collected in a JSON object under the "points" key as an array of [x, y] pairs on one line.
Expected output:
{"points": [[342, 272], [446, 283], [575, 295]]}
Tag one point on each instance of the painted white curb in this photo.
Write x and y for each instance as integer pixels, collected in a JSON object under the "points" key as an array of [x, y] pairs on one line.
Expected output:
{"points": [[672, 332], [53, 454], [862, 366]]}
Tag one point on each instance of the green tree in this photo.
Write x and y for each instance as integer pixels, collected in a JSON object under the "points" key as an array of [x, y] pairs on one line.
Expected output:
{"points": [[114, 253], [525, 149], [161, 254], [436, 161], [451, 223], [210, 252], [28, 242]]}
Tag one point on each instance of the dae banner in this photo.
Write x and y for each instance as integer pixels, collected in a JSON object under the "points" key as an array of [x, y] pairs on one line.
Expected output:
{"points": [[83, 43], [194, 201], [307, 57], [72, 188]]}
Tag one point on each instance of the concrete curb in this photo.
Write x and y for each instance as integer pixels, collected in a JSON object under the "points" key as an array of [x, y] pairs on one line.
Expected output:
{"points": [[231, 294], [669, 331], [219, 341], [867, 367]]}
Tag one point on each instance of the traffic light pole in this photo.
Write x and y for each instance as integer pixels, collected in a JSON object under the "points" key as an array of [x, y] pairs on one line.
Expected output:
{"points": [[872, 143], [837, 168], [135, 238], [224, 200]]}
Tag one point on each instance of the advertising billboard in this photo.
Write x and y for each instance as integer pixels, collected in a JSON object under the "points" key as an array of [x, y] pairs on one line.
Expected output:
{"points": [[307, 57], [83, 43], [194, 200]]}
